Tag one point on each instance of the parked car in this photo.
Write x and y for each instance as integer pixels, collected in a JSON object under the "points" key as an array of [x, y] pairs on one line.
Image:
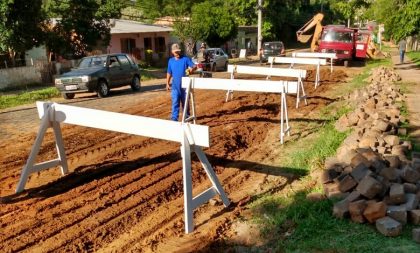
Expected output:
{"points": [[99, 74], [275, 48], [218, 59]]}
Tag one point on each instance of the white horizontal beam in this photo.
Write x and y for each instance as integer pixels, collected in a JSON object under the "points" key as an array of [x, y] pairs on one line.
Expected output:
{"points": [[283, 72], [293, 60], [203, 197], [315, 55], [125, 123], [240, 85]]}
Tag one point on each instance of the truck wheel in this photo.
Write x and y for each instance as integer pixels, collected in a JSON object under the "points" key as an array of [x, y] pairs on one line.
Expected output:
{"points": [[135, 83], [103, 89], [346, 64], [68, 95]]}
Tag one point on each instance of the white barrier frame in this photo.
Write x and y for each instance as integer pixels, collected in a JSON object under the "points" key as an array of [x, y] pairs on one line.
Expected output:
{"points": [[282, 87], [281, 72], [331, 56], [306, 61], [191, 137]]}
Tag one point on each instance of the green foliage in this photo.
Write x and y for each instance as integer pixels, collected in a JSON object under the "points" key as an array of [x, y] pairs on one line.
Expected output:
{"points": [[215, 26], [7, 101], [21, 25], [81, 24], [400, 17]]}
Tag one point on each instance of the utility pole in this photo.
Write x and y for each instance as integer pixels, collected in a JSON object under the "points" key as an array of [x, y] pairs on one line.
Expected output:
{"points": [[259, 8]]}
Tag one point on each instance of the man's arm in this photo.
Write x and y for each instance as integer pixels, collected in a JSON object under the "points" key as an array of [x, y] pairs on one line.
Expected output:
{"points": [[168, 81]]}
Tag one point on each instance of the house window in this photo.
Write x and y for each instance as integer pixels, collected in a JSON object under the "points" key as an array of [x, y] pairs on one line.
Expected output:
{"points": [[128, 45], [147, 43], [160, 45]]}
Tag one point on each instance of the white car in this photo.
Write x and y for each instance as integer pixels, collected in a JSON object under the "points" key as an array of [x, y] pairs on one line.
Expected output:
{"points": [[218, 59]]}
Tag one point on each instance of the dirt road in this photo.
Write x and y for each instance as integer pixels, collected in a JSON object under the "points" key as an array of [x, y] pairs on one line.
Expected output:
{"points": [[124, 192]]}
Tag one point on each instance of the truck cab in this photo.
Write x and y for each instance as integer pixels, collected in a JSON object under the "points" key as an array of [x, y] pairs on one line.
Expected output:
{"points": [[339, 40]]}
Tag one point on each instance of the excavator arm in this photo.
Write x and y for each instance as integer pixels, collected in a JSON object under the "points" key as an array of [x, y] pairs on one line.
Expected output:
{"points": [[314, 22]]}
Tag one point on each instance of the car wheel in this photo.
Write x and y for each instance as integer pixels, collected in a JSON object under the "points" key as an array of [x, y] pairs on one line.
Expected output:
{"points": [[226, 66], [103, 89], [68, 95], [135, 83]]}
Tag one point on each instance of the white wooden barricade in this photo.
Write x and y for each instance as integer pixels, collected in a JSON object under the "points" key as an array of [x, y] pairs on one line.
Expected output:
{"points": [[306, 61], [282, 87], [191, 137], [294, 73], [331, 56]]}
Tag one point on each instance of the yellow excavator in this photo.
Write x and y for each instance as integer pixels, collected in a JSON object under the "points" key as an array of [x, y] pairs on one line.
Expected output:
{"points": [[304, 38]]}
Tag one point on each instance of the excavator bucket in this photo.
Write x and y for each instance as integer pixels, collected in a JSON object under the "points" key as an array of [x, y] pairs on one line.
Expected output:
{"points": [[304, 37]]}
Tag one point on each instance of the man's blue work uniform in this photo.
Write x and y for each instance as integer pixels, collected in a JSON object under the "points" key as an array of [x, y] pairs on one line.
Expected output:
{"points": [[176, 68]]}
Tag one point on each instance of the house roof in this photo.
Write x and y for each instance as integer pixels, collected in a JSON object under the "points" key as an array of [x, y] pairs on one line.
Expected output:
{"points": [[129, 26]]}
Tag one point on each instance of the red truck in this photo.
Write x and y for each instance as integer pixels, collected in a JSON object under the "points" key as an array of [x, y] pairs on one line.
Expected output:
{"points": [[347, 43]]}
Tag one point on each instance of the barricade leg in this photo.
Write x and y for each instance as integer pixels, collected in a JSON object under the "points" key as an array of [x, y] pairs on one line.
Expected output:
{"points": [[212, 176], [187, 185], [317, 76], [27, 169], [59, 145]]}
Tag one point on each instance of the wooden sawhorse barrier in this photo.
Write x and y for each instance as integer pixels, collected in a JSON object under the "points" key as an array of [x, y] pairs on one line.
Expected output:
{"points": [[331, 56], [306, 61], [299, 74], [191, 137], [281, 87]]}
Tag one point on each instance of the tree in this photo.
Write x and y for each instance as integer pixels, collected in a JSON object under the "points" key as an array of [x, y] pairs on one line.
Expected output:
{"points": [[21, 26], [400, 17], [81, 25]]}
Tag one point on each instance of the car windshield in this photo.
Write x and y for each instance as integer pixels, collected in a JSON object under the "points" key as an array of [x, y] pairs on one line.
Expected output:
{"points": [[334, 36], [273, 46], [92, 62]]}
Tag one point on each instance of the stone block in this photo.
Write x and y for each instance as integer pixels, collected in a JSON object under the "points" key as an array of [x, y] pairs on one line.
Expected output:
{"points": [[369, 187], [409, 174], [408, 145], [416, 235], [352, 119], [392, 140], [378, 165], [414, 216], [374, 211], [389, 227], [410, 188], [341, 209], [358, 159], [342, 124], [381, 125], [353, 196], [389, 173], [315, 196], [368, 141], [347, 183], [356, 210], [393, 160], [397, 194], [411, 202], [328, 175], [398, 213], [344, 154], [381, 150], [399, 150], [359, 172]]}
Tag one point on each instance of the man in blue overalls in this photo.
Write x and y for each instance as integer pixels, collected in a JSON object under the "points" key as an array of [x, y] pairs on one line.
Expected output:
{"points": [[178, 67]]}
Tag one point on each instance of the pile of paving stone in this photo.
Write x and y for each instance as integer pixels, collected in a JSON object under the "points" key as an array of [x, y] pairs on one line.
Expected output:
{"points": [[371, 172]]}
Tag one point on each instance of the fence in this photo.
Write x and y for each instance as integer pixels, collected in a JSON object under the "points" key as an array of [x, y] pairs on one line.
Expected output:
{"points": [[35, 72]]}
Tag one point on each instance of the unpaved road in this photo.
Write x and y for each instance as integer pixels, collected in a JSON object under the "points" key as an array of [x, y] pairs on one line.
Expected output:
{"points": [[124, 192]]}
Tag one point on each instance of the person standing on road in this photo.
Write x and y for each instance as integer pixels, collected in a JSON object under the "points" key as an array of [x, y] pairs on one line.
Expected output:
{"points": [[402, 45], [178, 67]]}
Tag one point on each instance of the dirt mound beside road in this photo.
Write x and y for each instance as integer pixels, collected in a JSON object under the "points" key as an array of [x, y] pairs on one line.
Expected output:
{"points": [[124, 192]]}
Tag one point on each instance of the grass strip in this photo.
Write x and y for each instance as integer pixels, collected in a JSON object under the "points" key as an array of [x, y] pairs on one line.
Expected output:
{"points": [[7, 101], [415, 57]]}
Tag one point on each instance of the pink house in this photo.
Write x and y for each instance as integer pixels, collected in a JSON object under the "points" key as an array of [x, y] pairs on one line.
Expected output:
{"points": [[136, 38]]}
